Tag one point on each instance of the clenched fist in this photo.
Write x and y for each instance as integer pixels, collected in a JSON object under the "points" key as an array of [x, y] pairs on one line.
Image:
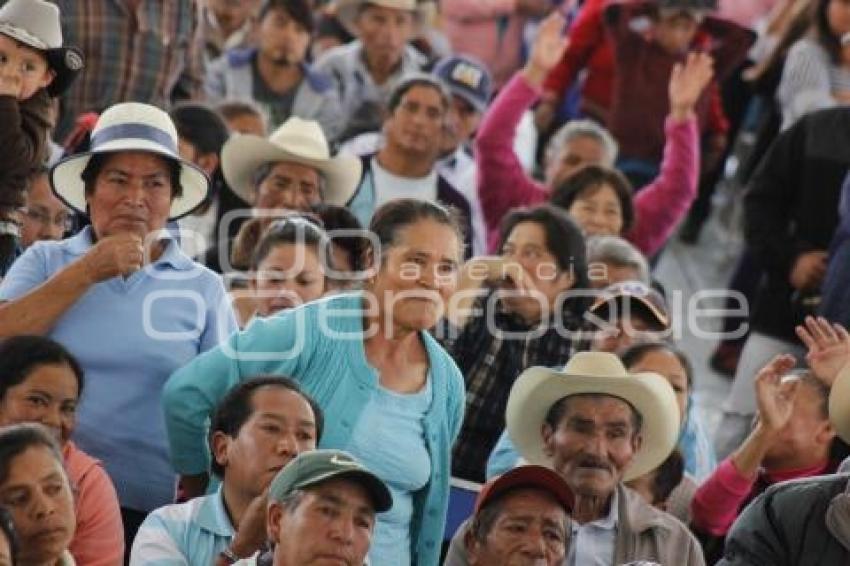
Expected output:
{"points": [[113, 256]]}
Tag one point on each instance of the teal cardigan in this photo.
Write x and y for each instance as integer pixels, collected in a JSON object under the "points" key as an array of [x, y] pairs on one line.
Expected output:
{"points": [[320, 345]]}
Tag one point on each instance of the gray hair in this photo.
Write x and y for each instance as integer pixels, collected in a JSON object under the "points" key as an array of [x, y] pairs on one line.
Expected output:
{"points": [[588, 129], [617, 251]]}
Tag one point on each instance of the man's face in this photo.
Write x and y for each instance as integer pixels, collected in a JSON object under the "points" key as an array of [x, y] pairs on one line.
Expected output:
{"points": [[416, 125], [281, 426], [289, 187], [46, 218], [530, 530], [384, 33], [461, 122], [592, 444], [331, 525], [283, 41], [232, 14], [575, 154], [27, 64]]}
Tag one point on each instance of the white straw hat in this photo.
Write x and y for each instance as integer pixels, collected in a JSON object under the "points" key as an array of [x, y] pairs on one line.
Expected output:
{"points": [[348, 10]]}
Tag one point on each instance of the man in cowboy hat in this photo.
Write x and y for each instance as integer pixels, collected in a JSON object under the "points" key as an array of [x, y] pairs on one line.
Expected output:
{"points": [[365, 71], [122, 296], [598, 426], [291, 170]]}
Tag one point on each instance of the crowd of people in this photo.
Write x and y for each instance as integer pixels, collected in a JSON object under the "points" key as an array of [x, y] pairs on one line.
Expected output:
{"points": [[291, 282]]}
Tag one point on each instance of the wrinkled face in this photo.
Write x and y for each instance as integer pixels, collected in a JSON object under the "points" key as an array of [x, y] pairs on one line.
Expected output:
{"points": [[46, 217], [289, 187], [232, 14], [598, 212], [838, 17], [805, 432], [132, 193], [461, 122], [526, 244], [384, 33], [290, 275], [594, 442], [37, 494], [577, 153], [331, 525], [418, 274], [416, 125], [283, 40], [48, 396], [529, 531], [675, 31], [28, 64], [666, 364], [281, 426]]}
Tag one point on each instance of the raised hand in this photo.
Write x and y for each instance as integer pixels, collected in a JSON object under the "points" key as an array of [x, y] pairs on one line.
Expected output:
{"points": [[687, 81], [775, 396], [114, 256], [829, 347], [549, 46]]}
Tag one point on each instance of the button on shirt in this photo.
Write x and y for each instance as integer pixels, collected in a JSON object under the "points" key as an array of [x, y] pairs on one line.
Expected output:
{"points": [[592, 544]]}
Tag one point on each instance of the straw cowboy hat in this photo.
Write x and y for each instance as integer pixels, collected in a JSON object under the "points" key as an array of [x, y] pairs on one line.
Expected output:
{"points": [[839, 404], [35, 23], [348, 10], [131, 126], [599, 373], [296, 140]]}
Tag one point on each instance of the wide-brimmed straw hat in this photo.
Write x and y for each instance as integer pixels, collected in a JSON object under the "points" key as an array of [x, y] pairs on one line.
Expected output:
{"points": [[298, 141], [347, 10], [124, 127], [594, 373]]}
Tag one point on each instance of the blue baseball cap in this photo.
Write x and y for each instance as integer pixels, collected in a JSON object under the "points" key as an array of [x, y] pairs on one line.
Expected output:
{"points": [[467, 78]]}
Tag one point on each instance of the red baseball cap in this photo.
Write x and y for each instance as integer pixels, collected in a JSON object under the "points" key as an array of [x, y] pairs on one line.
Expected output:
{"points": [[528, 476]]}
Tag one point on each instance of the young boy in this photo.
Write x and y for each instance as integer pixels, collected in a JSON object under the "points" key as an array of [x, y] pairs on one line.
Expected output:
{"points": [[34, 67]]}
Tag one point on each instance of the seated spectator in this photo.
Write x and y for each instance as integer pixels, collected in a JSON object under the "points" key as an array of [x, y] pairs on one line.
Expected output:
{"points": [[365, 71], [46, 217], [625, 314], [290, 171], [599, 199], [520, 518], [275, 74], [8, 539], [611, 259], [503, 185], [368, 359], [243, 117], [324, 503], [407, 164], [227, 24], [511, 311], [791, 439], [598, 426], [35, 489], [41, 382], [257, 429]]}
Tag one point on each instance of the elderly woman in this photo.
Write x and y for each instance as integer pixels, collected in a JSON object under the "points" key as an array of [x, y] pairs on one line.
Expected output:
{"points": [[367, 358], [121, 296], [35, 490]]}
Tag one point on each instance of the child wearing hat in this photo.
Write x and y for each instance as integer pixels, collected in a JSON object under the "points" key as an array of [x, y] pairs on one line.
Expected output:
{"points": [[34, 67]]}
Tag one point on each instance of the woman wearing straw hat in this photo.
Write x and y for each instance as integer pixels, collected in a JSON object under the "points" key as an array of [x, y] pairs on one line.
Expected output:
{"points": [[122, 296]]}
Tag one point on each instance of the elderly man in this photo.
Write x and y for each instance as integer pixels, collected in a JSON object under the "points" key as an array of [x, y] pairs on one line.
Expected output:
{"points": [[597, 426], [46, 217], [256, 430], [365, 71]]}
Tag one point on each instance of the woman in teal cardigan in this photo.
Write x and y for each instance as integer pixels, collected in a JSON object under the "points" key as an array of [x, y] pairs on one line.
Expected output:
{"points": [[393, 397]]}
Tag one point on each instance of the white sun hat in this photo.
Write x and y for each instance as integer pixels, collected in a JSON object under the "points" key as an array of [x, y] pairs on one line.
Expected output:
{"points": [[131, 126], [32, 22], [348, 10], [594, 373], [296, 140]]}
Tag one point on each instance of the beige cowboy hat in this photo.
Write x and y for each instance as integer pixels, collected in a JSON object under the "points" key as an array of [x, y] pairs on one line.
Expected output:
{"points": [[599, 373], [296, 140], [131, 126], [839, 404], [348, 10]]}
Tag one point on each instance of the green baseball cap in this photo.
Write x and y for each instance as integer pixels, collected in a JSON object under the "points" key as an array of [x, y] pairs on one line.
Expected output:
{"points": [[318, 466]]}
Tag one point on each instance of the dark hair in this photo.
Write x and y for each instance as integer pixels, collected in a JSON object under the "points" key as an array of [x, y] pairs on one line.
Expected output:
{"points": [[823, 33], [201, 126], [557, 411], [230, 109], [16, 439], [634, 354], [98, 161], [236, 408], [820, 388], [8, 529], [20, 355], [564, 239], [340, 218], [588, 180], [414, 80], [398, 214], [294, 230], [298, 10], [668, 476]]}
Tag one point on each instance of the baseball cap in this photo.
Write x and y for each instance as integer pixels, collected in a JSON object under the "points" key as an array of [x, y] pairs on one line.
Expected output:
{"points": [[466, 78], [318, 466], [644, 296], [529, 476]]}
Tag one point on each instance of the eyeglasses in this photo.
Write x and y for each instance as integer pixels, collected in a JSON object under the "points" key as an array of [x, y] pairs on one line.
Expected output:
{"points": [[61, 220]]}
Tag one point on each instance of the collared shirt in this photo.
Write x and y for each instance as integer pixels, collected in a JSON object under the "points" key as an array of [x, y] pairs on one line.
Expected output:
{"points": [[152, 55], [129, 334], [592, 544], [191, 533]]}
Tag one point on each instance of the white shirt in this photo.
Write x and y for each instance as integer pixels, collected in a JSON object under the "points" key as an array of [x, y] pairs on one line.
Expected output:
{"points": [[389, 186], [592, 544]]}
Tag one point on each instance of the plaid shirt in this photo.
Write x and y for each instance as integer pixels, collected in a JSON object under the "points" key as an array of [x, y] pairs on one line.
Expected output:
{"points": [[152, 53], [491, 362]]}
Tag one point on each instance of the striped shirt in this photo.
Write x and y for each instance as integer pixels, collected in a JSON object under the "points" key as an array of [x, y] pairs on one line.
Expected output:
{"points": [[136, 50]]}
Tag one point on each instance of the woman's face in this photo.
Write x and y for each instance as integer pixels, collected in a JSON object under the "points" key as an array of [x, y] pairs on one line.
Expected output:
{"points": [[666, 364], [838, 16], [418, 274], [598, 211], [47, 396], [37, 494], [289, 275]]}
